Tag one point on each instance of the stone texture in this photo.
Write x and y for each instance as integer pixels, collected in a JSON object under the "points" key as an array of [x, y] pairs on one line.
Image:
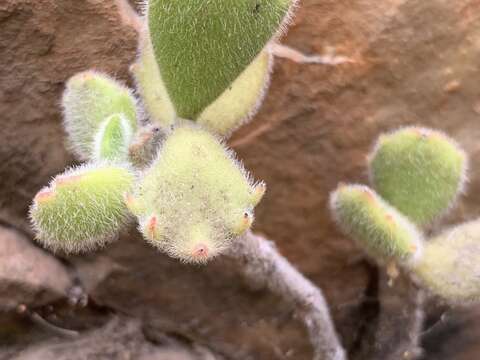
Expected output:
{"points": [[120, 339], [416, 63], [28, 275], [210, 305]]}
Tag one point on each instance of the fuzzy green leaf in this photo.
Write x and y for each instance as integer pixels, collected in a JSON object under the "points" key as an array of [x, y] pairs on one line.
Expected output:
{"points": [[418, 171], [235, 106], [82, 209], [449, 266], [89, 99], [195, 198], [201, 47], [240, 101], [113, 139], [151, 87], [378, 228]]}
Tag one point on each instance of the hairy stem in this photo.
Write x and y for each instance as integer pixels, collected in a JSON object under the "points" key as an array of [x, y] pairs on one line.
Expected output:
{"points": [[262, 265], [400, 320]]}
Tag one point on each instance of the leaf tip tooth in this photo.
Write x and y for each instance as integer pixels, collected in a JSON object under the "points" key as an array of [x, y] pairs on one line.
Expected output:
{"points": [[200, 251], [260, 189], [413, 248], [152, 226], [44, 196], [368, 195], [67, 179], [133, 68]]}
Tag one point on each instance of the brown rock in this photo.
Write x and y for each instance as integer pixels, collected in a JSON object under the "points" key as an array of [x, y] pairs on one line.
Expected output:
{"points": [[28, 276], [209, 305], [120, 339]]}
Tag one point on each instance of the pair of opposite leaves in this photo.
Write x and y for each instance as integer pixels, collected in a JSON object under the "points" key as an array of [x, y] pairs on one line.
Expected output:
{"points": [[416, 175], [206, 60]]}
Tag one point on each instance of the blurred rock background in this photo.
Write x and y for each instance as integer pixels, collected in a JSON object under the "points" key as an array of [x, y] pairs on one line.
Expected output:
{"points": [[416, 62]]}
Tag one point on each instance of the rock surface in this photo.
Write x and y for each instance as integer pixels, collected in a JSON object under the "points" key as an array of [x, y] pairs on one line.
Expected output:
{"points": [[120, 339], [28, 276], [416, 63], [210, 305]]}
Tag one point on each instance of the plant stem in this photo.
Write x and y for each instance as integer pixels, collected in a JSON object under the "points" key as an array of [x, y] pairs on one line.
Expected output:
{"points": [[400, 320], [262, 264]]}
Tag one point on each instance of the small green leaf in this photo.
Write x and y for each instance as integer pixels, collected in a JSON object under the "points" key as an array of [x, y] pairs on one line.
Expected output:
{"points": [[195, 198], [378, 228], [418, 171], [82, 209], [88, 100], [113, 139]]}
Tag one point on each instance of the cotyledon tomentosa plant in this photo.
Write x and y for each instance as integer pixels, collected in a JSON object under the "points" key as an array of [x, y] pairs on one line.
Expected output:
{"points": [[417, 175], [202, 70]]}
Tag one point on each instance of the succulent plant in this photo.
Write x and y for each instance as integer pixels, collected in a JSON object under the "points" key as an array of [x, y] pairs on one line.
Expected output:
{"points": [[202, 71], [195, 197], [417, 174], [89, 99], [169, 168]]}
